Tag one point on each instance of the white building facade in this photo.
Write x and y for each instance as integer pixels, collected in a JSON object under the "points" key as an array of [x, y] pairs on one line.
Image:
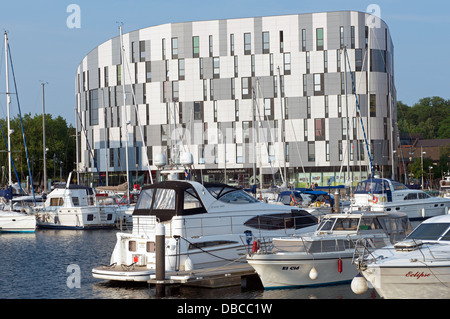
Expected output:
{"points": [[319, 87]]}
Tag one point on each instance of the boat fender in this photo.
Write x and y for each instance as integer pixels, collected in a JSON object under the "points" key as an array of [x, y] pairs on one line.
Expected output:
{"points": [[313, 274], [255, 247], [188, 264], [340, 265], [359, 284]]}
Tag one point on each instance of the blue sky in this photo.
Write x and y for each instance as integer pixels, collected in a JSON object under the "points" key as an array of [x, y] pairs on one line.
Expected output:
{"points": [[44, 49]]}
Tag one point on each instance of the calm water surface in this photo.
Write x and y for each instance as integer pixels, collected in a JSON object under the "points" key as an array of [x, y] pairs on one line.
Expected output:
{"points": [[35, 266]]}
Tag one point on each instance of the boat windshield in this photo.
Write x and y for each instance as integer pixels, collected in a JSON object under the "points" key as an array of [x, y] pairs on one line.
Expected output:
{"points": [[375, 186], [431, 231], [238, 197], [349, 224], [229, 194]]}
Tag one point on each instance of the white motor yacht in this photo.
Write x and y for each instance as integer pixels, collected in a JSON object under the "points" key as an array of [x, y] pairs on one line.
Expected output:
{"points": [[418, 267], [325, 256], [206, 225], [382, 194], [444, 186], [13, 220], [73, 206]]}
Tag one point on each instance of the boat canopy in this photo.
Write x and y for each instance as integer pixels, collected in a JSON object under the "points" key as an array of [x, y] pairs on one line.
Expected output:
{"points": [[167, 199], [378, 186]]}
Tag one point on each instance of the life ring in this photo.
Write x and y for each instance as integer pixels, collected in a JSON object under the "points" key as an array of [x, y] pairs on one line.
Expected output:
{"points": [[255, 246], [383, 199], [375, 199]]}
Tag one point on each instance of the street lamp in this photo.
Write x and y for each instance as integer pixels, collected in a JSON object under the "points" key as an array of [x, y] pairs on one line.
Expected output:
{"points": [[421, 163]]}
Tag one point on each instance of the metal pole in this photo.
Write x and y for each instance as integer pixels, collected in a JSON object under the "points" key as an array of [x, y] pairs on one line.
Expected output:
{"points": [[160, 242], [8, 102], [43, 139]]}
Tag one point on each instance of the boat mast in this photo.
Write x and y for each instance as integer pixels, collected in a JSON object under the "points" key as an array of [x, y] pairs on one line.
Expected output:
{"points": [[8, 103], [122, 53], [44, 150]]}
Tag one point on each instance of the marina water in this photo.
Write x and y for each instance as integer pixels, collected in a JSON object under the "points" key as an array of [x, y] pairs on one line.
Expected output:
{"points": [[57, 264]]}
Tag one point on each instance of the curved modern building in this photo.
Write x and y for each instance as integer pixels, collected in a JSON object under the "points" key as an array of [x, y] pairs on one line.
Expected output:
{"points": [[307, 96]]}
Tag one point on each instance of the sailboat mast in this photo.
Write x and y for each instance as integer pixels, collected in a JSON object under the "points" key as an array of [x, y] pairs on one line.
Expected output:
{"points": [[124, 110], [43, 139], [8, 104]]}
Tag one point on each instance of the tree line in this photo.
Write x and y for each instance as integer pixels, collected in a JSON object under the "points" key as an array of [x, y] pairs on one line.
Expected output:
{"points": [[60, 148], [430, 117]]}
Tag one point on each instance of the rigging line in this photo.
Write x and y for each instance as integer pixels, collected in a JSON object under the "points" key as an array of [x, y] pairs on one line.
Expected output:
{"points": [[264, 135], [137, 117], [357, 105], [26, 149], [89, 147], [209, 253]]}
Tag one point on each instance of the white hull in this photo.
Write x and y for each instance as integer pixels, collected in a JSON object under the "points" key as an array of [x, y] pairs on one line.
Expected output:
{"points": [[17, 222], [432, 282], [77, 218], [283, 271]]}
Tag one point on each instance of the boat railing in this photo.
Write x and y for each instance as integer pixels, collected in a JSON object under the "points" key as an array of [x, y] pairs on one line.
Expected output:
{"points": [[222, 225]]}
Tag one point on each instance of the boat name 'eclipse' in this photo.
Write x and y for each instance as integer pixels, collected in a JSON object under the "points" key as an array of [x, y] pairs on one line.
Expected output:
{"points": [[417, 274]]}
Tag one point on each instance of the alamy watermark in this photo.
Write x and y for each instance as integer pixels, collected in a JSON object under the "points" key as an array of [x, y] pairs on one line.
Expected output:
{"points": [[73, 21], [374, 18], [74, 279]]}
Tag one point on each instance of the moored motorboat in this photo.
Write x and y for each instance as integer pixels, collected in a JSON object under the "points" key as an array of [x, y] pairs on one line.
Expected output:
{"points": [[418, 267], [325, 256], [72, 206], [382, 194], [206, 225]]}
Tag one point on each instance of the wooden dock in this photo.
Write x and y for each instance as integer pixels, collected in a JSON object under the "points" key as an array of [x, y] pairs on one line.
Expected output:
{"points": [[217, 277]]}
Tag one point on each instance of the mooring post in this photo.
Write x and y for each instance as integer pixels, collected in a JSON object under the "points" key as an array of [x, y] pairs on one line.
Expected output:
{"points": [[160, 243], [337, 208]]}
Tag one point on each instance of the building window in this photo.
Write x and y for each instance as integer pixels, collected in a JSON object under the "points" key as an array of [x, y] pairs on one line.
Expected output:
{"points": [[281, 42], [327, 151], [308, 64], [93, 107], [201, 154], [106, 76], [340, 150], [141, 51], [343, 83], [303, 40], [271, 64], [373, 105], [148, 71], [205, 90], [236, 110], [305, 85], [246, 88], [247, 43], [239, 154], [210, 46], [305, 129], [287, 63], [233, 89], [266, 42], [338, 60], [200, 65], [361, 150], [216, 68], [167, 70], [318, 84], [326, 106], [119, 74], [198, 111], [308, 107], [175, 91], [319, 129], [181, 69], [231, 44], [275, 87], [215, 110], [195, 47], [358, 59], [311, 152], [344, 127], [246, 126], [339, 105], [268, 109], [319, 39], [253, 64], [174, 48], [352, 37], [211, 89], [235, 66], [163, 48], [325, 61], [341, 36]]}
